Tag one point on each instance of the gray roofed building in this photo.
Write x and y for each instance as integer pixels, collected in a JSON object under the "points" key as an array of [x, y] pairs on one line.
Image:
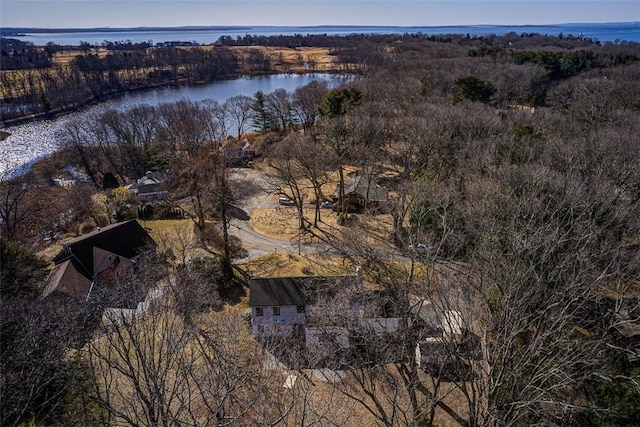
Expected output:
{"points": [[270, 291], [153, 186], [362, 191], [279, 303], [365, 186], [297, 290]]}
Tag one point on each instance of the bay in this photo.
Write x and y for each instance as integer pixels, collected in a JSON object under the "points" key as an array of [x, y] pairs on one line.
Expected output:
{"points": [[31, 141], [604, 32]]}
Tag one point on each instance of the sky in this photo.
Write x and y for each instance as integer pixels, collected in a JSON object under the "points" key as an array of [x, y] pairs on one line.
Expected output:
{"points": [[164, 13]]}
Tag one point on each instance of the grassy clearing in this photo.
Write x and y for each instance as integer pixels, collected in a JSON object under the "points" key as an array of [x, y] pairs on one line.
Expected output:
{"points": [[174, 236], [298, 60], [277, 265], [282, 223], [282, 59]]}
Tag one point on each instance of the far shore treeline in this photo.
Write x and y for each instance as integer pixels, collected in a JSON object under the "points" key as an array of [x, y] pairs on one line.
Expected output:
{"points": [[44, 80]]}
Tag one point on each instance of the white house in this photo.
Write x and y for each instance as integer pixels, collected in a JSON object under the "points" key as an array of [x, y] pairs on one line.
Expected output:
{"points": [[151, 187], [314, 308], [277, 305], [282, 305]]}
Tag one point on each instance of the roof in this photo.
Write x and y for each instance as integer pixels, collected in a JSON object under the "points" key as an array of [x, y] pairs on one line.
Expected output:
{"points": [[147, 188], [105, 260], [66, 278], [108, 251], [125, 239], [301, 290], [152, 178], [365, 186], [152, 182]]}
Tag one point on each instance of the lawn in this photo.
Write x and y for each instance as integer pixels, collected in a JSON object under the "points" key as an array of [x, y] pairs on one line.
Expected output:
{"points": [[282, 223], [282, 264], [176, 236]]}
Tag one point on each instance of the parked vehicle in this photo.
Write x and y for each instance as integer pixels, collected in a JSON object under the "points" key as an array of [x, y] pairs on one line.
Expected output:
{"points": [[285, 201], [327, 205], [419, 248]]}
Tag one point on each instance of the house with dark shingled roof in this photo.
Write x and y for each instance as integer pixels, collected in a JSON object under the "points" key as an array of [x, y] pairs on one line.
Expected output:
{"points": [[98, 262], [362, 192], [307, 307]]}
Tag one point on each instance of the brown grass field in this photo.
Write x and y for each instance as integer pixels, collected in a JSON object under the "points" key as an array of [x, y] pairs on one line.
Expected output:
{"points": [[287, 60], [283, 60]]}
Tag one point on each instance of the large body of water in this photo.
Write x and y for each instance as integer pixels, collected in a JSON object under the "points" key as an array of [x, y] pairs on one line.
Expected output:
{"points": [[604, 32], [31, 141]]}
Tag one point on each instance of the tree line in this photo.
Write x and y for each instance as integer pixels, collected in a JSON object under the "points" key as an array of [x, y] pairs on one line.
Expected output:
{"points": [[127, 66]]}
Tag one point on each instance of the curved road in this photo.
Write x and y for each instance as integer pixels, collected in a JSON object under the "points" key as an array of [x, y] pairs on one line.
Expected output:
{"points": [[259, 244]]}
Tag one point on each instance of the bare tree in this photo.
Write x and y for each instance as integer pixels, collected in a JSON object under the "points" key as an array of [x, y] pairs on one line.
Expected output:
{"points": [[288, 179], [306, 100], [278, 103], [203, 187], [301, 171], [240, 113], [157, 369], [13, 209], [81, 138], [37, 339]]}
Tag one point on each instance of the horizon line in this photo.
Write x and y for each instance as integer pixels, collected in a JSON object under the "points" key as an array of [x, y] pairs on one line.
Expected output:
{"points": [[248, 26]]}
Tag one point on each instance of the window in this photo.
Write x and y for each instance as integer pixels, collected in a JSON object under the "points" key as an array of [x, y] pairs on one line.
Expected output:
{"points": [[276, 311], [300, 308], [259, 311]]}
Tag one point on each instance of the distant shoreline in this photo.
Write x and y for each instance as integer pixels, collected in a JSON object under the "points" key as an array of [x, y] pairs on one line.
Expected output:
{"points": [[42, 30], [206, 35], [20, 31]]}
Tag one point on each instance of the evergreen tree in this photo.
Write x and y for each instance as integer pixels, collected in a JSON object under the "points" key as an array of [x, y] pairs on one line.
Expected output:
{"points": [[263, 119]]}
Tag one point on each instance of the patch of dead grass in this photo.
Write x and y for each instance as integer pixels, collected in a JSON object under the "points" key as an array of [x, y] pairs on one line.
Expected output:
{"points": [[281, 264], [176, 236], [282, 223], [298, 60]]}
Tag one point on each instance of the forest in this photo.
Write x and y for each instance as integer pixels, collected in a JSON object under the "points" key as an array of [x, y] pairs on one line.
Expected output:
{"points": [[513, 159]]}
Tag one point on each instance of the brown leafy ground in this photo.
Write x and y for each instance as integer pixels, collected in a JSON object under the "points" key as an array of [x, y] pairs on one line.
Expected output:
{"points": [[313, 397]]}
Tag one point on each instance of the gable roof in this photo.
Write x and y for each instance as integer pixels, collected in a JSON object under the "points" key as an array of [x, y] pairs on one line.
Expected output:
{"points": [[104, 260], [365, 186], [301, 290], [66, 278], [152, 182], [152, 178], [126, 239], [147, 188], [82, 258]]}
